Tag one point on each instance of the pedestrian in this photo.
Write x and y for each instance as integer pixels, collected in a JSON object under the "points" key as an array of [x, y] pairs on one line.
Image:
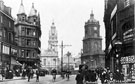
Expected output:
{"points": [[28, 74], [37, 75], [79, 78]]}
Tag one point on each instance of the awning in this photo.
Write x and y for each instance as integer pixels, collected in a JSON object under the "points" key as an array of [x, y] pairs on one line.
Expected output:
{"points": [[14, 62]]}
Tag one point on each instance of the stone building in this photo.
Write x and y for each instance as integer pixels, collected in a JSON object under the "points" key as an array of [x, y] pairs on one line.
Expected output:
{"points": [[119, 26], [49, 57], [92, 54], [28, 33], [8, 46]]}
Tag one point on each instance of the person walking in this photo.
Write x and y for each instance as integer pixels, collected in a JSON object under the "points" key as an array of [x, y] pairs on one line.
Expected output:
{"points": [[37, 75], [79, 78], [28, 74]]}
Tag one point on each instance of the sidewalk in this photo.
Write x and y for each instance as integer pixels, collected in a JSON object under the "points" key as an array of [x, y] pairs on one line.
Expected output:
{"points": [[15, 78]]}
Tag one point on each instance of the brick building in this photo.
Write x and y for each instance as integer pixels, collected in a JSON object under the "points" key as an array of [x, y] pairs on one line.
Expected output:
{"points": [[8, 46]]}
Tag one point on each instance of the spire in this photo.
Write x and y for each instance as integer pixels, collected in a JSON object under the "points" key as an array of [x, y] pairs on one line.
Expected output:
{"points": [[33, 11], [92, 15], [53, 24], [21, 9]]}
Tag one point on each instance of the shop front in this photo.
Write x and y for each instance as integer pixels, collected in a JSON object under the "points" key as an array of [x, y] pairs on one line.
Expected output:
{"points": [[128, 67]]}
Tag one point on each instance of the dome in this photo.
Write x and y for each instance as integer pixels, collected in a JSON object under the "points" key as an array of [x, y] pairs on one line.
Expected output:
{"points": [[92, 19]]}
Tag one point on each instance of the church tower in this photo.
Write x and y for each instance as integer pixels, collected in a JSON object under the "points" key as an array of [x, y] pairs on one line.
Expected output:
{"points": [[52, 42], [92, 42]]}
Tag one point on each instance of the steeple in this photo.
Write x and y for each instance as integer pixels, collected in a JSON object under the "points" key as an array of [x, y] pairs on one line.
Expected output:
{"points": [[33, 11], [21, 9]]}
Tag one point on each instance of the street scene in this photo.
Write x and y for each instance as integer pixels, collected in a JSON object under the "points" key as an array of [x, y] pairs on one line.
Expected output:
{"points": [[67, 42]]}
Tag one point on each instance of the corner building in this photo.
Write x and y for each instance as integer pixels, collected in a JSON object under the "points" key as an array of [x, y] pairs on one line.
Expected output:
{"points": [[93, 56], [28, 33]]}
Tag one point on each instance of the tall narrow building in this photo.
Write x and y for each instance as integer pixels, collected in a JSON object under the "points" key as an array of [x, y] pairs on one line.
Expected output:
{"points": [[28, 33], [93, 55], [49, 57]]}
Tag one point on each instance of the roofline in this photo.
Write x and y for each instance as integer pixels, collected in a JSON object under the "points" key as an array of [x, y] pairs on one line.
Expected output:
{"points": [[7, 15]]}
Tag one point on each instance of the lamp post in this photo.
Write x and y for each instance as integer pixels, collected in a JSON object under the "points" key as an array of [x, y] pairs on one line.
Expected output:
{"points": [[118, 45], [61, 46]]}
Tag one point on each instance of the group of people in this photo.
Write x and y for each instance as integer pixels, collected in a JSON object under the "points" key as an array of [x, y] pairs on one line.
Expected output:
{"points": [[29, 73], [98, 76]]}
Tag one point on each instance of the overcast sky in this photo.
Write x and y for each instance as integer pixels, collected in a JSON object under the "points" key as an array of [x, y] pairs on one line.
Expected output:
{"points": [[69, 17]]}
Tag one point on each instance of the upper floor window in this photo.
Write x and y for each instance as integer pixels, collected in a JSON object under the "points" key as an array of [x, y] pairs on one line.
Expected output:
{"points": [[9, 24], [23, 18], [126, 3], [44, 61], [4, 33], [95, 35], [10, 37], [1, 19]]}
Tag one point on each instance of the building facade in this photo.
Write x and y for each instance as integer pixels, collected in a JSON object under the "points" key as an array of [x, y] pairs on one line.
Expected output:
{"points": [[28, 33], [8, 46], [119, 26], [49, 57], [92, 54]]}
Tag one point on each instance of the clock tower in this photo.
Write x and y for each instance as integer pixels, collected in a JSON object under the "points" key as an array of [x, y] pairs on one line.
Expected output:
{"points": [[92, 42]]}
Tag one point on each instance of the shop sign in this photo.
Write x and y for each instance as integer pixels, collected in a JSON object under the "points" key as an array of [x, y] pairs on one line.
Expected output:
{"points": [[128, 35], [127, 59]]}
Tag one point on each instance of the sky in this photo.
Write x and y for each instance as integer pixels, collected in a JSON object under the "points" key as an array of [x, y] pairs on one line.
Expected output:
{"points": [[69, 17]]}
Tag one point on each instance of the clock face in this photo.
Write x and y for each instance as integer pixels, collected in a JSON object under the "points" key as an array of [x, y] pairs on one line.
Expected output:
{"points": [[95, 28]]}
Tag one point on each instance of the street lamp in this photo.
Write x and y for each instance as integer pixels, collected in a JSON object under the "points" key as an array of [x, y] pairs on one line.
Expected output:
{"points": [[117, 45]]}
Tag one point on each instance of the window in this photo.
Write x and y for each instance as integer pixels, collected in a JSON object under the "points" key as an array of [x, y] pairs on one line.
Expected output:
{"points": [[14, 51], [1, 19], [9, 24], [28, 42], [34, 33], [22, 52], [2, 5], [95, 35], [95, 28], [126, 3], [5, 49], [44, 61], [28, 53], [23, 18], [4, 34], [23, 30], [10, 37], [0, 34]]}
